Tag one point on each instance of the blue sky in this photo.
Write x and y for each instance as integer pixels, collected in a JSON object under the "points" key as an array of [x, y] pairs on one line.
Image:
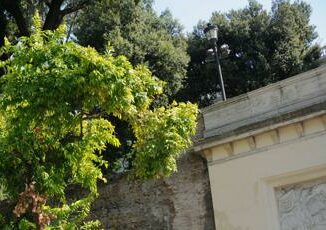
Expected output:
{"points": [[189, 12]]}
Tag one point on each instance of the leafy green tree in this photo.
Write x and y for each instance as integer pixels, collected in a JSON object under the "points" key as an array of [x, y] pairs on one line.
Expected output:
{"points": [[16, 16], [261, 48], [134, 30], [291, 38], [52, 132]]}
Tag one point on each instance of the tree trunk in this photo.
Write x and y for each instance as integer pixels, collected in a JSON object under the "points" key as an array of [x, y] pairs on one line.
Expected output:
{"points": [[3, 27], [54, 16], [13, 7]]}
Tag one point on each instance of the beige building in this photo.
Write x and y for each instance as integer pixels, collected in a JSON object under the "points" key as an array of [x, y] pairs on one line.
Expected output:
{"points": [[266, 156]]}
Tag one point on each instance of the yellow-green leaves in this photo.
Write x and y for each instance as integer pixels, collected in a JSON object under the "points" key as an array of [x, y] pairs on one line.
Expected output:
{"points": [[56, 103], [162, 135]]}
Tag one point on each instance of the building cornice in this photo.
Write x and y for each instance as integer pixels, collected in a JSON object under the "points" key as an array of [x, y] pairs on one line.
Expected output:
{"points": [[288, 106]]}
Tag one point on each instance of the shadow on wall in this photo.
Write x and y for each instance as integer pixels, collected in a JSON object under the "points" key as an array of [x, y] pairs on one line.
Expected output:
{"points": [[182, 201]]}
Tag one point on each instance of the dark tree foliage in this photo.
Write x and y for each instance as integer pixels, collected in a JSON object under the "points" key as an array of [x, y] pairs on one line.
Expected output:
{"points": [[135, 31], [16, 15], [256, 48]]}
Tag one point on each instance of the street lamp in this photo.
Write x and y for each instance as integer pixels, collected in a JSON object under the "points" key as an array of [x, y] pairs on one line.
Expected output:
{"points": [[211, 32]]}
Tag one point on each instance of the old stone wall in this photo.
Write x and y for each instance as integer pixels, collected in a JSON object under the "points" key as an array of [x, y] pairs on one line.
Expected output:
{"points": [[182, 201]]}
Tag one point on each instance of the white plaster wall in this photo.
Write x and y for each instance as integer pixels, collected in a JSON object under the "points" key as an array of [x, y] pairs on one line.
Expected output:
{"points": [[241, 198]]}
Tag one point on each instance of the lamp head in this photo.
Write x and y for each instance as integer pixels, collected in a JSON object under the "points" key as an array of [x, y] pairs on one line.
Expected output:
{"points": [[211, 32]]}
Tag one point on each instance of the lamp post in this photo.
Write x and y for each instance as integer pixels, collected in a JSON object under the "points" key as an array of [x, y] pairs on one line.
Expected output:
{"points": [[211, 33]]}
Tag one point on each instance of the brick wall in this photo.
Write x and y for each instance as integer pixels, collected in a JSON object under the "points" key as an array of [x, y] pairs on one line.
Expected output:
{"points": [[182, 201]]}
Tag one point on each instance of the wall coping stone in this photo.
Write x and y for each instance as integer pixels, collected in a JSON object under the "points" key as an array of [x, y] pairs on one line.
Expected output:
{"points": [[293, 97]]}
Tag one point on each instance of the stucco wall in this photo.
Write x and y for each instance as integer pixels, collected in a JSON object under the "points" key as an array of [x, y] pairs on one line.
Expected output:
{"points": [[243, 194], [262, 142]]}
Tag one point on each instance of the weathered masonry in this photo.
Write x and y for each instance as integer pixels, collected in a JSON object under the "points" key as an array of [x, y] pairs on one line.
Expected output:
{"points": [[266, 156], [182, 201]]}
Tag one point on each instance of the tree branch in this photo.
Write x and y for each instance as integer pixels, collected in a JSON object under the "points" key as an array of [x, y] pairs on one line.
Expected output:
{"points": [[54, 16], [47, 2], [75, 7], [70, 138], [93, 116], [13, 7], [3, 25], [71, 25]]}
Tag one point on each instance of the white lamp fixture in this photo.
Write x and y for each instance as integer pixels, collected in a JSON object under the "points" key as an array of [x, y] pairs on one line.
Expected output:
{"points": [[211, 32]]}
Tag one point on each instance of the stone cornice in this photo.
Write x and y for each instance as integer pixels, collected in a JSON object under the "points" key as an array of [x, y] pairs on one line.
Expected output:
{"points": [[265, 139], [284, 97], [287, 106], [297, 79]]}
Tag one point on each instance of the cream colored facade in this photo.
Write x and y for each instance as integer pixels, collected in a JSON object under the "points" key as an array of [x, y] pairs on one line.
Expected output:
{"points": [[266, 155]]}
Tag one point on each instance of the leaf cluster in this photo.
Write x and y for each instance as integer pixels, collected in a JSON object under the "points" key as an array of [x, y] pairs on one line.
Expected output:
{"points": [[137, 32], [52, 134]]}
